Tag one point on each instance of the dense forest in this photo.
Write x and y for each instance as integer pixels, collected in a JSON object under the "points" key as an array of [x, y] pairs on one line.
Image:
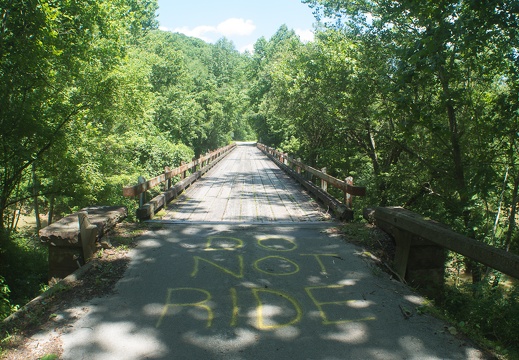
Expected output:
{"points": [[417, 100]]}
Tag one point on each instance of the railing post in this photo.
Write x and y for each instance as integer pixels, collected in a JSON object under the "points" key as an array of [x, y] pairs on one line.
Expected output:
{"points": [[168, 181], [142, 195], [183, 173], [309, 176], [324, 183], [298, 168], [347, 197]]}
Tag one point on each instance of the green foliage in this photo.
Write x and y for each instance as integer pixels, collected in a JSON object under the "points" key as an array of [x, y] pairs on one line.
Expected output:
{"points": [[23, 266], [486, 312], [156, 153], [57, 62], [411, 102], [50, 357], [5, 304]]}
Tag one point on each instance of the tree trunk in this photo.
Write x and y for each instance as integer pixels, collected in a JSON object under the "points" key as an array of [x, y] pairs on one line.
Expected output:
{"points": [[513, 212], [51, 210], [2, 213], [458, 173], [35, 192]]}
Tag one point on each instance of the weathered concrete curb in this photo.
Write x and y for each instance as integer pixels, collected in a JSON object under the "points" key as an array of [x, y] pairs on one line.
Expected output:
{"points": [[66, 248]]}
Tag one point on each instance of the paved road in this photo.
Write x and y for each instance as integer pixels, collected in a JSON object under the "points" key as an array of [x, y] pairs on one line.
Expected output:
{"points": [[256, 290]]}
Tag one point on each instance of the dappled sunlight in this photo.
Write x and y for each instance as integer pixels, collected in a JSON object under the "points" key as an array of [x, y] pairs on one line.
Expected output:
{"points": [[250, 285], [149, 244], [277, 242], [276, 265], [314, 315], [249, 294], [270, 317], [232, 341], [191, 246], [217, 243], [197, 313], [315, 280], [360, 304], [381, 354], [287, 333], [119, 340], [415, 348], [349, 333], [347, 282], [415, 299], [162, 232], [474, 354], [153, 309]]}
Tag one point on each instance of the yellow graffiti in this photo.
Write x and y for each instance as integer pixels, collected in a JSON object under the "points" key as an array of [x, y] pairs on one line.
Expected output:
{"points": [[225, 245], [259, 310], [319, 261], [199, 304], [270, 272], [293, 245], [320, 305], [235, 308], [238, 274]]}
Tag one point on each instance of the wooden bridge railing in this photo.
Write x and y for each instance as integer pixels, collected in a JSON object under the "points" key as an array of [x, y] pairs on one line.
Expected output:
{"points": [[304, 173], [421, 244], [197, 167]]}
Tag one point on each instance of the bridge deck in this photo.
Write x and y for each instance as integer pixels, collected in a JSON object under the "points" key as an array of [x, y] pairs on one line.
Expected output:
{"points": [[245, 187]]}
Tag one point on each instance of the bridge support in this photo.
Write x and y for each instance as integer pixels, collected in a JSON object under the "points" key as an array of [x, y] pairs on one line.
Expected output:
{"points": [[420, 262], [421, 245], [72, 240]]}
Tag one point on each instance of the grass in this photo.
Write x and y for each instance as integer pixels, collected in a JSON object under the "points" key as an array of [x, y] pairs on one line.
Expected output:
{"points": [[50, 357]]}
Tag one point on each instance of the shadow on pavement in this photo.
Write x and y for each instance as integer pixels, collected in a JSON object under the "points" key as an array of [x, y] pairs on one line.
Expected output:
{"points": [[257, 292]]}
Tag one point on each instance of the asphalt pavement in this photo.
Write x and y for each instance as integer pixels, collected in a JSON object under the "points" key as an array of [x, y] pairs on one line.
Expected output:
{"points": [[257, 291]]}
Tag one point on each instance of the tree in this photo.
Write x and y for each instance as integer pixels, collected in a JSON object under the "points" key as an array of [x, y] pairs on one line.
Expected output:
{"points": [[54, 62], [267, 124], [446, 57]]}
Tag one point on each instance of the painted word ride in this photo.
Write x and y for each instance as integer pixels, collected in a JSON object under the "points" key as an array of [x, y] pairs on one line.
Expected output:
{"points": [[266, 305]]}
